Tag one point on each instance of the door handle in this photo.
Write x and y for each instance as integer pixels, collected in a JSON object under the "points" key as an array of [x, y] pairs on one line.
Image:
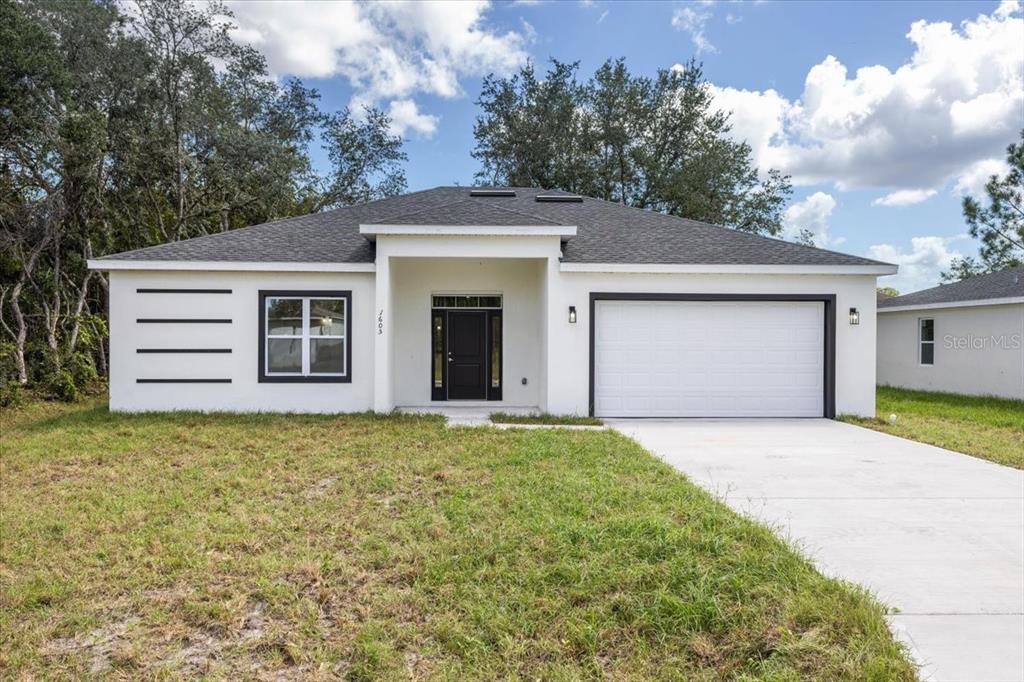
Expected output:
{"points": [[450, 358]]}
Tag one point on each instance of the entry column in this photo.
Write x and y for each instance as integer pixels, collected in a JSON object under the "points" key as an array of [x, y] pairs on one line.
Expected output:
{"points": [[382, 394]]}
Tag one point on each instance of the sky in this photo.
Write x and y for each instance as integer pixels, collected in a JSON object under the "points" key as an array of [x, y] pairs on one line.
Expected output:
{"points": [[884, 113]]}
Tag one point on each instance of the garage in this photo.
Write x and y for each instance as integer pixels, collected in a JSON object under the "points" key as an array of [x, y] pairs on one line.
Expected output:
{"points": [[711, 357]]}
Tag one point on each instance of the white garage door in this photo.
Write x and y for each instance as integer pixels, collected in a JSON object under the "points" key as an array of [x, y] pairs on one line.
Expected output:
{"points": [[708, 359]]}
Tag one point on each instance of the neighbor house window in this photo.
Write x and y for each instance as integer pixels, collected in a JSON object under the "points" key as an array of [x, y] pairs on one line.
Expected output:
{"points": [[305, 336], [926, 340]]}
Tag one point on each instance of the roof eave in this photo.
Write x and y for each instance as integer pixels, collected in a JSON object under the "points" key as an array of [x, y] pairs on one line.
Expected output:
{"points": [[107, 265], [877, 270], [972, 303]]}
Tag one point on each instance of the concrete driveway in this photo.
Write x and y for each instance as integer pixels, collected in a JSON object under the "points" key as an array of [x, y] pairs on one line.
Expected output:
{"points": [[936, 534]]}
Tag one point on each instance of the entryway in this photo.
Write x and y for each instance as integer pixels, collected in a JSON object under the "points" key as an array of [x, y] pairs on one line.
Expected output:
{"points": [[466, 333]]}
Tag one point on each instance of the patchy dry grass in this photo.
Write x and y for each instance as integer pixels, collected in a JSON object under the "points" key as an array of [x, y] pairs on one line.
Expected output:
{"points": [[989, 428], [371, 547], [545, 419]]}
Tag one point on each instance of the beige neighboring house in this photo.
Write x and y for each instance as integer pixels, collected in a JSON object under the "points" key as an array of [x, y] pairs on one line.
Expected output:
{"points": [[966, 337]]}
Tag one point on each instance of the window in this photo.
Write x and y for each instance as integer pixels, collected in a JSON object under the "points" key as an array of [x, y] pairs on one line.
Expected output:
{"points": [[304, 336], [926, 339], [467, 301]]}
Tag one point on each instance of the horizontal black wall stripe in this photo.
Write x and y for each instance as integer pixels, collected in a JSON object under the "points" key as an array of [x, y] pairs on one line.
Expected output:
{"points": [[182, 350], [183, 381], [183, 291], [171, 320]]}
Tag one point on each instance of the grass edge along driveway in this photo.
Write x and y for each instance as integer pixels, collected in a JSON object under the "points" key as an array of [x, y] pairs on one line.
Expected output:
{"points": [[393, 547], [984, 427]]}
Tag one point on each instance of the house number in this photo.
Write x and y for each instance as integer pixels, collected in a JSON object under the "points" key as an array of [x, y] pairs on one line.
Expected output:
{"points": [[380, 322]]}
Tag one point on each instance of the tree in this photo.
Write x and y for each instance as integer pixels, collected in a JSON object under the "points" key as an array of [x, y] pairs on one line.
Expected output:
{"points": [[999, 225], [655, 143], [130, 124], [366, 159], [888, 292]]}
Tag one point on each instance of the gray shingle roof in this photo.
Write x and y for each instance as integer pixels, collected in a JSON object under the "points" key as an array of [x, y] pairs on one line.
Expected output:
{"points": [[1007, 283], [468, 212], [606, 233]]}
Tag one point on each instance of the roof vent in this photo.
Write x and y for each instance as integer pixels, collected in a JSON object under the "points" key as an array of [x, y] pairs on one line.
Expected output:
{"points": [[559, 198], [492, 192]]}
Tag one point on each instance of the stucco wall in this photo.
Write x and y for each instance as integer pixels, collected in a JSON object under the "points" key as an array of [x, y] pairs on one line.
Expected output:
{"points": [[569, 343], [978, 350], [244, 393], [413, 280]]}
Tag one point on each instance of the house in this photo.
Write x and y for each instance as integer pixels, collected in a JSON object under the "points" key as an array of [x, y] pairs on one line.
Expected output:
{"points": [[966, 337], [496, 298]]}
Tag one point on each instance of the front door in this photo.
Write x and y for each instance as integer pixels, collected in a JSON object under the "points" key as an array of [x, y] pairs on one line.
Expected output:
{"points": [[467, 355]]}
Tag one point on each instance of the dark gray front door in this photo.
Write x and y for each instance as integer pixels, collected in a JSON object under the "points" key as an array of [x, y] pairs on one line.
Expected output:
{"points": [[467, 355]]}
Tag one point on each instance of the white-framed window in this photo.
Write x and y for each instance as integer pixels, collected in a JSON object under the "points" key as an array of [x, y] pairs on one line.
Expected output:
{"points": [[926, 341], [305, 336]]}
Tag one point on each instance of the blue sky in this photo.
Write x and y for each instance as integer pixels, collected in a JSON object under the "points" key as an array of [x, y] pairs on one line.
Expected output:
{"points": [[885, 113]]}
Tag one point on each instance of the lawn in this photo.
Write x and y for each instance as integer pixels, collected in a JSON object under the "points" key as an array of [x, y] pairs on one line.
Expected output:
{"points": [[392, 547], [545, 419], [989, 428]]}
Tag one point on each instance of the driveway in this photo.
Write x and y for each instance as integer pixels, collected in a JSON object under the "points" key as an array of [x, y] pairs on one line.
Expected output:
{"points": [[935, 534]]}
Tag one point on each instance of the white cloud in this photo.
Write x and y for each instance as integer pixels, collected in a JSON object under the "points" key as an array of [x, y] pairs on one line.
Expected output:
{"points": [[811, 214], [905, 197], [957, 101], [405, 115], [387, 51], [973, 180], [692, 21], [921, 267], [757, 117]]}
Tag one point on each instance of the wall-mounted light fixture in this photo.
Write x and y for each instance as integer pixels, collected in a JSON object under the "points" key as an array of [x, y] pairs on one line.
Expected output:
{"points": [[572, 314], [854, 316]]}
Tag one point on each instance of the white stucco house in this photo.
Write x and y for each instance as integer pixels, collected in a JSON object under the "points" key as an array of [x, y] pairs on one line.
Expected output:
{"points": [[502, 297], [966, 337]]}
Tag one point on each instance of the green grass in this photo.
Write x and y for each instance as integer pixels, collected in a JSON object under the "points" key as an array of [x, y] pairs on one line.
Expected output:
{"points": [[989, 428], [544, 418], [393, 547]]}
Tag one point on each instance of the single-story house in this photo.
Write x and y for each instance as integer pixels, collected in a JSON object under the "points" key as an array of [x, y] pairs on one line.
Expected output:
{"points": [[966, 337], [500, 297]]}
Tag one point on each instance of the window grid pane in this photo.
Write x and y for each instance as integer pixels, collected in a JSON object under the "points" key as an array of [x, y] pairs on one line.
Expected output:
{"points": [[306, 336], [466, 301]]}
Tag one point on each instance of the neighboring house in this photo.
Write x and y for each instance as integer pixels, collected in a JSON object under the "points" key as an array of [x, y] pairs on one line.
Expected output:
{"points": [[966, 337], [493, 298]]}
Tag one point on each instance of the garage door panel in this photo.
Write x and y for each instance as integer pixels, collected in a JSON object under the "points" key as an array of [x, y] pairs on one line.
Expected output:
{"points": [[708, 359]]}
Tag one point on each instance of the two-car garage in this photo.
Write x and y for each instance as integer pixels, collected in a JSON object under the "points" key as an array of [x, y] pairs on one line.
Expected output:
{"points": [[711, 356]]}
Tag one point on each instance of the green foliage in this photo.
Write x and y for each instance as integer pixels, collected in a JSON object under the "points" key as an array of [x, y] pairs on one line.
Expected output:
{"points": [[888, 291], [997, 221], [653, 143], [132, 124]]}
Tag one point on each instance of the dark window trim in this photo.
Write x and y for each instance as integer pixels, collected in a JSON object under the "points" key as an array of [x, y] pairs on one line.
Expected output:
{"points": [[171, 320], [921, 342], [182, 350], [439, 392], [263, 378], [183, 381], [494, 392], [829, 402], [183, 291]]}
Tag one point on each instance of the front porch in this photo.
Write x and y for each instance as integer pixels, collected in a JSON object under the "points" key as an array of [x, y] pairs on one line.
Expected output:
{"points": [[467, 329]]}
